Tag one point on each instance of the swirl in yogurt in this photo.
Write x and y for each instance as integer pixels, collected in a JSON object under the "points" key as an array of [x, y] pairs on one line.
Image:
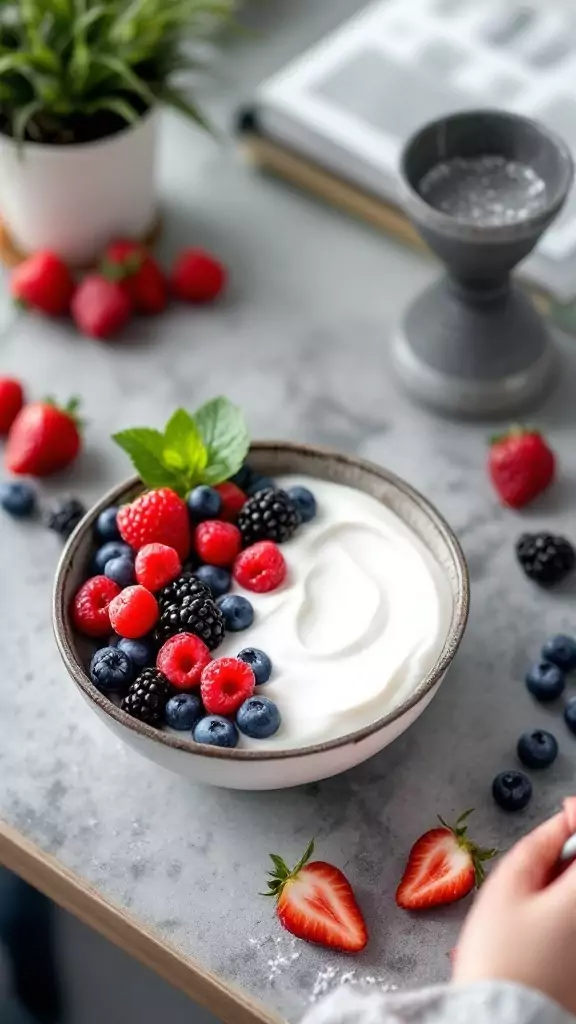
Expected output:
{"points": [[360, 620]]}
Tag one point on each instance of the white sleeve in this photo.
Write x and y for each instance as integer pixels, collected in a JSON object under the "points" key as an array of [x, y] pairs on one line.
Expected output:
{"points": [[485, 1002]]}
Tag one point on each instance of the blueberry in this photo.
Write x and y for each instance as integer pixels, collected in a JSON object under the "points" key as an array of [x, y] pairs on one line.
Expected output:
{"points": [[17, 499], [237, 611], [243, 477], [259, 663], [141, 652], [561, 650], [260, 483], [121, 570], [204, 503], [106, 527], [217, 731], [183, 711], [537, 749], [512, 790], [570, 714], [258, 717], [111, 670], [217, 579], [112, 549], [545, 680], [305, 502]]}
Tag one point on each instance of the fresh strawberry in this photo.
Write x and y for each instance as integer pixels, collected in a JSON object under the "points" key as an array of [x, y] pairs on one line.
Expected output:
{"points": [[197, 276], [315, 902], [521, 465], [11, 401], [444, 866], [156, 517], [100, 307], [43, 438], [140, 277], [43, 282], [233, 500]]}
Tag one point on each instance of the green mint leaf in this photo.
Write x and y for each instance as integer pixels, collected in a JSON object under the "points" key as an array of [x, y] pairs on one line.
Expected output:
{"points": [[145, 448], [225, 435], [184, 449]]}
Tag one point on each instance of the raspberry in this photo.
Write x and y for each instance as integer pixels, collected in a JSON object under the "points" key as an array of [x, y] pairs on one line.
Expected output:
{"points": [[156, 517], [233, 499], [156, 565], [197, 276], [260, 567], [182, 659], [226, 683], [217, 543], [133, 612], [90, 607]]}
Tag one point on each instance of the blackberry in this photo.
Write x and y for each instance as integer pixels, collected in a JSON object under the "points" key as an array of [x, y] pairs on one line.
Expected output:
{"points": [[147, 696], [544, 558], [268, 515], [186, 606], [64, 517]]}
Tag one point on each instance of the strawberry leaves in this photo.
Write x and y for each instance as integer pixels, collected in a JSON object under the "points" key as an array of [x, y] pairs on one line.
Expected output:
{"points": [[282, 873], [205, 448]]}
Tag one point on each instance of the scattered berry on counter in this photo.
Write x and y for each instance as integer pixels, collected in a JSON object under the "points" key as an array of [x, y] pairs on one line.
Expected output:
{"points": [[216, 579], [233, 500], [112, 549], [183, 711], [134, 612], [11, 401], [237, 611], [121, 570], [512, 790], [561, 650], [106, 526], [268, 515], [545, 681], [90, 606], [17, 499], [197, 276], [157, 565], [259, 663], [316, 903], [217, 543], [261, 567], [545, 559], [182, 659], [138, 274], [141, 652], [187, 606], [43, 439], [258, 717], [204, 503], [521, 465], [537, 749], [111, 670], [63, 517], [304, 501], [260, 483], [226, 683], [444, 865], [100, 308], [570, 714], [156, 517], [44, 283], [148, 696], [216, 731]]}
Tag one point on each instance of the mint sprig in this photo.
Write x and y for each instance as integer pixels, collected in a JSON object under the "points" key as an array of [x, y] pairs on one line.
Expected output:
{"points": [[204, 448]]}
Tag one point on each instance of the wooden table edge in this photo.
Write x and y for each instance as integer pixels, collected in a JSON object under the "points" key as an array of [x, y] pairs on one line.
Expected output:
{"points": [[73, 894]]}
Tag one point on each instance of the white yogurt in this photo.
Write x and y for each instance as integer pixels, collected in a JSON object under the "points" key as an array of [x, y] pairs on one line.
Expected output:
{"points": [[360, 619]]}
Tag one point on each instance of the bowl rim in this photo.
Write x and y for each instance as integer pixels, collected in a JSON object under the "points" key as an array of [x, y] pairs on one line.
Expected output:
{"points": [[64, 633]]}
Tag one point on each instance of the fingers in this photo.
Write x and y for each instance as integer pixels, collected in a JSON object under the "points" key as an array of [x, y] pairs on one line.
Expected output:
{"points": [[530, 865]]}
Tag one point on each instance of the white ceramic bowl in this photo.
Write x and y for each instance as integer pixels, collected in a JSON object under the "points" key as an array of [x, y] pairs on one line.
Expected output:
{"points": [[273, 769]]}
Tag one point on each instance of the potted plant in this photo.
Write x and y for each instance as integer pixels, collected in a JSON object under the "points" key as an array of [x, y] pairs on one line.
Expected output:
{"points": [[80, 86]]}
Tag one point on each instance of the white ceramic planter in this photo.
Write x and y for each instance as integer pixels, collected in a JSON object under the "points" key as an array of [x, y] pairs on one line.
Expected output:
{"points": [[75, 199]]}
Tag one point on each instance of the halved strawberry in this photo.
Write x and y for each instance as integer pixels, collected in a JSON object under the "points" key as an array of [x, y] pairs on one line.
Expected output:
{"points": [[315, 902], [444, 866]]}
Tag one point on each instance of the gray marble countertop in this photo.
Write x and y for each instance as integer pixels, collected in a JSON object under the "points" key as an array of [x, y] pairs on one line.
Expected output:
{"points": [[302, 344]]}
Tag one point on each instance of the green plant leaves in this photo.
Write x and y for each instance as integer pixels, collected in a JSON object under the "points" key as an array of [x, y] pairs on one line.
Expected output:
{"points": [[146, 448], [226, 437]]}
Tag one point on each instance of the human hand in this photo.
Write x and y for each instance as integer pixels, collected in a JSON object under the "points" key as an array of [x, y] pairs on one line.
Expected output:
{"points": [[522, 926]]}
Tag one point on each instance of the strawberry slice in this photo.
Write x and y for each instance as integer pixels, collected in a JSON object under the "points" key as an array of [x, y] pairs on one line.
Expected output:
{"points": [[315, 902], [444, 866]]}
